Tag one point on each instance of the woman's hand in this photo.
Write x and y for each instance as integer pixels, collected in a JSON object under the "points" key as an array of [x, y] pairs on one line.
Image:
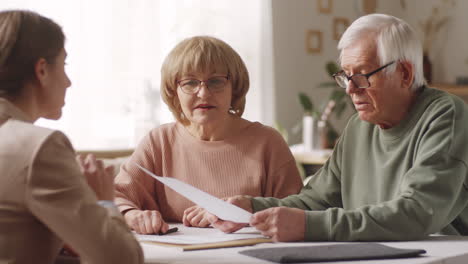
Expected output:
{"points": [[100, 179], [241, 201], [146, 222], [196, 216], [282, 224]]}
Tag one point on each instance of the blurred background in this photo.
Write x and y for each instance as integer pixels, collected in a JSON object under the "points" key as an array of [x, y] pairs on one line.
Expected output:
{"points": [[116, 47]]}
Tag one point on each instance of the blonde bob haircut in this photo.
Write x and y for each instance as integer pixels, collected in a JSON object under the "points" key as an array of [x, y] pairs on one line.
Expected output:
{"points": [[202, 54]]}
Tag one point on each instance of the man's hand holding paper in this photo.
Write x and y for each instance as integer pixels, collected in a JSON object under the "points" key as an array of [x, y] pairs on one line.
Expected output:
{"points": [[241, 201], [280, 223]]}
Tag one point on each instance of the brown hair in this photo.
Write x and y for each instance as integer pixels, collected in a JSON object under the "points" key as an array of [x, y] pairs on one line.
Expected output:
{"points": [[25, 37], [202, 54]]}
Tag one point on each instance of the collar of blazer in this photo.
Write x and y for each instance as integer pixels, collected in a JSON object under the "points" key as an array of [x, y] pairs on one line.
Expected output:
{"points": [[9, 110]]}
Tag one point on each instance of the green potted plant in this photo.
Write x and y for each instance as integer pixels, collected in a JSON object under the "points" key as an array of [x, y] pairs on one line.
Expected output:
{"points": [[336, 104]]}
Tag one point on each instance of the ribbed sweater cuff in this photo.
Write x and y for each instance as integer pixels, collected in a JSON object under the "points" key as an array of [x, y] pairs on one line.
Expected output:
{"points": [[259, 204], [125, 208], [317, 226]]}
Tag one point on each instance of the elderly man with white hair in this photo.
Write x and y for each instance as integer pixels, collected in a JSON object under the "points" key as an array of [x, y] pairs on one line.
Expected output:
{"points": [[399, 170]]}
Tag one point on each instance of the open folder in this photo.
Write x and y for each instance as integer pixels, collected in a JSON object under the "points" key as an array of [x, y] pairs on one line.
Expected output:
{"points": [[225, 244], [192, 238]]}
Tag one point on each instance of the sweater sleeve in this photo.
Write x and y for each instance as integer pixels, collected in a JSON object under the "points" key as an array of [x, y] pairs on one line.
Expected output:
{"points": [[134, 188], [321, 192], [283, 178], [58, 195]]}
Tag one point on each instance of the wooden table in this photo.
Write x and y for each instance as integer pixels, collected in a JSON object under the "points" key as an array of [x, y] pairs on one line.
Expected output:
{"points": [[440, 250], [311, 160]]}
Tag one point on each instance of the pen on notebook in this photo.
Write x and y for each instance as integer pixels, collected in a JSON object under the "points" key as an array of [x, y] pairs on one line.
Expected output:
{"points": [[170, 230]]}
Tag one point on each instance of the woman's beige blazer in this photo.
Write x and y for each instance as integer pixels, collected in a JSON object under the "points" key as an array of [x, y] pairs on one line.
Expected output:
{"points": [[45, 200]]}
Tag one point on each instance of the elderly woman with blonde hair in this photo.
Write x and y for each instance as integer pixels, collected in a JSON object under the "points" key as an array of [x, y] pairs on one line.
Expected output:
{"points": [[210, 146]]}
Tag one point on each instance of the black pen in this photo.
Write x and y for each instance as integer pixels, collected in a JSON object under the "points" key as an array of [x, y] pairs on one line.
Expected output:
{"points": [[170, 230]]}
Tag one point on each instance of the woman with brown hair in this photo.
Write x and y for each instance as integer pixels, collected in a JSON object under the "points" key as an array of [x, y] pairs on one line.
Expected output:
{"points": [[44, 198], [210, 146]]}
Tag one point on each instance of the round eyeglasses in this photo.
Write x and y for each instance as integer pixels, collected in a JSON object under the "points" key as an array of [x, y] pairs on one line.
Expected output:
{"points": [[214, 84], [359, 80]]}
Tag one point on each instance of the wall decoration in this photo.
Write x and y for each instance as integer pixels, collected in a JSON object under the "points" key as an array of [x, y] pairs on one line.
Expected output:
{"points": [[369, 6], [403, 4], [313, 41], [340, 24], [325, 6], [364, 7], [436, 22], [431, 27]]}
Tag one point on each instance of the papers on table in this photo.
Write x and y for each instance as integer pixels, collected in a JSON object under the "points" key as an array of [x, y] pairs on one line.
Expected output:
{"points": [[216, 206], [190, 236]]}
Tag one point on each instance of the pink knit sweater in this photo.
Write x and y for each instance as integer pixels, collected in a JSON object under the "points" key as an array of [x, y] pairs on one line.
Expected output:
{"points": [[255, 162]]}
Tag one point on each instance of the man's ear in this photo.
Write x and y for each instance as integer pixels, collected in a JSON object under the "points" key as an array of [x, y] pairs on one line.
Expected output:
{"points": [[407, 74], [40, 71]]}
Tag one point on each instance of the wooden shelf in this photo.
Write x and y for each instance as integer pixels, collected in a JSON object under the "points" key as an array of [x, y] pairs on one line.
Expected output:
{"points": [[107, 154], [310, 157], [458, 90]]}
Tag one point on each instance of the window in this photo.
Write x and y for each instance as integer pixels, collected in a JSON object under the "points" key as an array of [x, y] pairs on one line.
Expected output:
{"points": [[115, 50]]}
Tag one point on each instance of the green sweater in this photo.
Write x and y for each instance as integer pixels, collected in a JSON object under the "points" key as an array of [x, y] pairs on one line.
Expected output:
{"points": [[401, 183]]}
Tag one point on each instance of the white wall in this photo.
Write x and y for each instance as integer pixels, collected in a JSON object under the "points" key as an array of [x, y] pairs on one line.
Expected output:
{"points": [[449, 53], [295, 70]]}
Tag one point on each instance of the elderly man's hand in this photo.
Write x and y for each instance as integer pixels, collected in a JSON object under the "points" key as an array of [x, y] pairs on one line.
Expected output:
{"points": [[282, 224], [196, 216], [241, 201]]}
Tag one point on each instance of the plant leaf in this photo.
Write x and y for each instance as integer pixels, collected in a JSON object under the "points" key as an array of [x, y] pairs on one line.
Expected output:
{"points": [[337, 95], [306, 103], [332, 68], [316, 114]]}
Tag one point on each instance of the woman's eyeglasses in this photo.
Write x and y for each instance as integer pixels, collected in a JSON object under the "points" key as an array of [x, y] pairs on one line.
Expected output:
{"points": [[215, 84]]}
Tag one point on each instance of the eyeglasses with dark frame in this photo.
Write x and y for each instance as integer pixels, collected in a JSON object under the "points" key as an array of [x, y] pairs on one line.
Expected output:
{"points": [[359, 80], [215, 84]]}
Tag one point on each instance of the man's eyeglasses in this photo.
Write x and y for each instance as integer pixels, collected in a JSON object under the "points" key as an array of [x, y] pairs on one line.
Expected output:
{"points": [[215, 84], [359, 80]]}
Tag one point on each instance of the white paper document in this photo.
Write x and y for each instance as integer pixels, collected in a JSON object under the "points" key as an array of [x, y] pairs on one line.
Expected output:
{"points": [[193, 235], [222, 209]]}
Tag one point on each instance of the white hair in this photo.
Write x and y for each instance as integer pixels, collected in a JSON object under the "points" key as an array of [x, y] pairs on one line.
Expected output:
{"points": [[395, 40]]}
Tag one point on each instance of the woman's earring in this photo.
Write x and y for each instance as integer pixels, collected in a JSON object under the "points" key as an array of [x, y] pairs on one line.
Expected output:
{"points": [[232, 110]]}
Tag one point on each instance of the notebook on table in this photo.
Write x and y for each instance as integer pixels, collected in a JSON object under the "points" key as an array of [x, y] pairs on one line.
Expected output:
{"points": [[328, 253]]}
